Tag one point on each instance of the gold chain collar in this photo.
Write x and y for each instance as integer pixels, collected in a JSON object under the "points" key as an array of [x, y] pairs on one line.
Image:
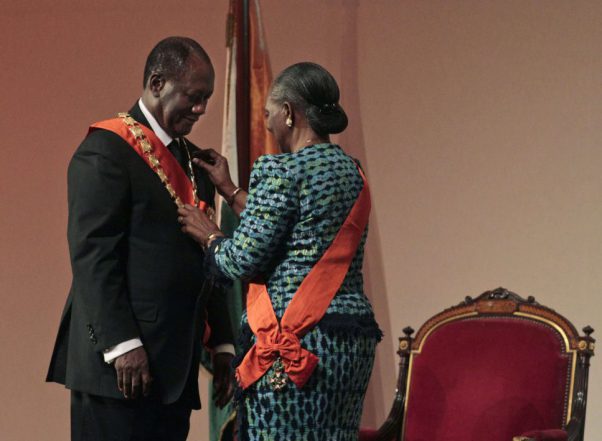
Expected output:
{"points": [[147, 148]]}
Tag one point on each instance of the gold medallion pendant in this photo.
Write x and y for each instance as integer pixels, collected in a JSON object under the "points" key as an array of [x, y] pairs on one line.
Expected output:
{"points": [[277, 377]]}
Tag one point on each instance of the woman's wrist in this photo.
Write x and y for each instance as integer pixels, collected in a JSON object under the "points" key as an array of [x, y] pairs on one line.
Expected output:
{"points": [[226, 190], [231, 198], [212, 236]]}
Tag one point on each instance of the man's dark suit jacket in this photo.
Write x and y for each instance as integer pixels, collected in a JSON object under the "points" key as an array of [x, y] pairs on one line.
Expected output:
{"points": [[135, 274]]}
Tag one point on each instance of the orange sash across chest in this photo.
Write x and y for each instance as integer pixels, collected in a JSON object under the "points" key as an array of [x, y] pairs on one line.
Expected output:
{"points": [[176, 177], [305, 310]]}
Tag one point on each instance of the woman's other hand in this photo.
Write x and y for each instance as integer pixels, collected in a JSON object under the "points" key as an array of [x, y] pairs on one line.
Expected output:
{"points": [[217, 168], [198, 225]]}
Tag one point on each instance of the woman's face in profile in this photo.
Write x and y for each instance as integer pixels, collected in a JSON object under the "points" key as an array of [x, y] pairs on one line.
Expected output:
{"points": [[275, 121]]}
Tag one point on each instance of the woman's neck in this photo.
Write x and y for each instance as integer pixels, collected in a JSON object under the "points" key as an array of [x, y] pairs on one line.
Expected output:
{"points": [[307, 137]]}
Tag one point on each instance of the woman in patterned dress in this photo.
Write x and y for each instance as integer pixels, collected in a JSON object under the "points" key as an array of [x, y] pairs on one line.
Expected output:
{"points": [[297, 202]]}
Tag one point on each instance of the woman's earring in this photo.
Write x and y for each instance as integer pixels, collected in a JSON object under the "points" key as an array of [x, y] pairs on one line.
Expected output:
{"points": [[289, 122]]}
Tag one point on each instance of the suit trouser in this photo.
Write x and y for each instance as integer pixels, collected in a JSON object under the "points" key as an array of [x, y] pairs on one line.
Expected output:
{"points": [[95, 418]]}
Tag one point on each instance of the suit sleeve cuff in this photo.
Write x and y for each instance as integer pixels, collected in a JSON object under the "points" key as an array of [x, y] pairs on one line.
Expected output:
{"points": [[110, 354]]}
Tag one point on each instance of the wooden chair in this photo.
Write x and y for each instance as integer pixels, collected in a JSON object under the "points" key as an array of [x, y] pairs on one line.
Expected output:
{"points": [[495, 368]]}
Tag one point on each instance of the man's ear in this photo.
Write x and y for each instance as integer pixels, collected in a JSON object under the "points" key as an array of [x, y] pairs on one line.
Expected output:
{"points": [[156, 83]]}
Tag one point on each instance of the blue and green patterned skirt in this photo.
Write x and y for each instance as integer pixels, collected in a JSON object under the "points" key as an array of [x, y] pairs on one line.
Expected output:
{"points": [[328, 407]]}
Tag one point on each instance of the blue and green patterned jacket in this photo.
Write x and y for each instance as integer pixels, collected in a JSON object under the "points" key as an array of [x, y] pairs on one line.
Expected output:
{"points": [[296, 204]]}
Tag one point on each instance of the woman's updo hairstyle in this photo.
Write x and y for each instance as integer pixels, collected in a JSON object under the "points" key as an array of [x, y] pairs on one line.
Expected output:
{"points": [[311, 89]]}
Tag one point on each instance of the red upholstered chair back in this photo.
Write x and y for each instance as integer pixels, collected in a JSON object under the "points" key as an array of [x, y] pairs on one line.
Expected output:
{"points": [[490, 369], [487, 378]]}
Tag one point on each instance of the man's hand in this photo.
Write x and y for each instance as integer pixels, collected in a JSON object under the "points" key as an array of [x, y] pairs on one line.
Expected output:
{"points": [[133, 374], [223, 384]]}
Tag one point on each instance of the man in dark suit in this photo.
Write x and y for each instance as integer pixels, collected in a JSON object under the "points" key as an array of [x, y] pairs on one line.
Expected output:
{"points": [[131, 332]]}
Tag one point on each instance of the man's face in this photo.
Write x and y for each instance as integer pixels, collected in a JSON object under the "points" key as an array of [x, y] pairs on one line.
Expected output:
{"points": [[183, 100]]}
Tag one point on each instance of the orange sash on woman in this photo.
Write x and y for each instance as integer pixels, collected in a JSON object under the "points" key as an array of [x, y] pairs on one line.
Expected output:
{"points": [[305, 310], [150, 148]]}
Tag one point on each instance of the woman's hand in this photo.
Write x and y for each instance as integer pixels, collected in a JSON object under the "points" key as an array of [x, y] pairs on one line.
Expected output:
{"points": [[216, 167], [198, 225]]}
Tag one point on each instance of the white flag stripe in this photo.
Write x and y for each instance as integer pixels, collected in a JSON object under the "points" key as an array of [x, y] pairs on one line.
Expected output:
{"points": [[229, 141]]}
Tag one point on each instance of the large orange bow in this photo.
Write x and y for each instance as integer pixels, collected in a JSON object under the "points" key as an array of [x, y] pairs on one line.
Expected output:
{"points": [[298, 362]]}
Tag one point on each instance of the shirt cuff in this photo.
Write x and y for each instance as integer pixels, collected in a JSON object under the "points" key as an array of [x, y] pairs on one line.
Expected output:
{"points": [[111, 354], [228, 348]]}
